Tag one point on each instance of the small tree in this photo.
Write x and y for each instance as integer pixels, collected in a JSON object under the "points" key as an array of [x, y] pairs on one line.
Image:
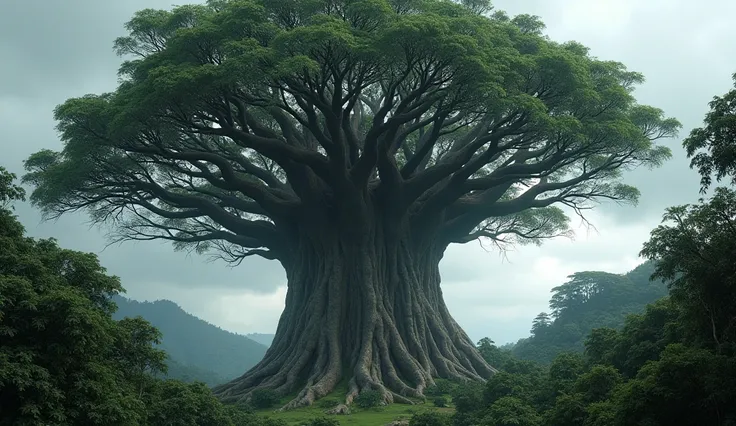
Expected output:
{"points": [[369, 399], [540, 322], [430, 418], [263, 398], [63, 359]]}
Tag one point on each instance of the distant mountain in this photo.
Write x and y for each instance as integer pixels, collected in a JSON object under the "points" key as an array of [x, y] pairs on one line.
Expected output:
{"points": [[197, 349], [588, 300], [264, 339]]}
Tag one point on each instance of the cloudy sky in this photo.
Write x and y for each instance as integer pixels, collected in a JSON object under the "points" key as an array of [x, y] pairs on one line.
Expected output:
{"points": [[53, 50]]}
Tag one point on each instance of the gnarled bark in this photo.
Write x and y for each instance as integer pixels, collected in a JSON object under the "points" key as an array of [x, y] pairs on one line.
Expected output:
{"points": [[365, 306]]}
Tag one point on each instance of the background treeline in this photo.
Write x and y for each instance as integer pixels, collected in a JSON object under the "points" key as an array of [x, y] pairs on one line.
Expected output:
{"points": [[672, 364], [64, 359], [589, 300]]}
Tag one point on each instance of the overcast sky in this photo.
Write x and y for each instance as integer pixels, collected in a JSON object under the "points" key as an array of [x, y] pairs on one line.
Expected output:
{"points": [[53, 50]]}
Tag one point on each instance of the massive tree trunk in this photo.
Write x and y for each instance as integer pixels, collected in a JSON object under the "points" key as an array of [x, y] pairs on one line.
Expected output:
{"points": [[363, 305]]}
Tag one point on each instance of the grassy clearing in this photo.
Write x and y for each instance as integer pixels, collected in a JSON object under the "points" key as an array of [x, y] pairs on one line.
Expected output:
{"points": [[368, 417], [359, 417]]}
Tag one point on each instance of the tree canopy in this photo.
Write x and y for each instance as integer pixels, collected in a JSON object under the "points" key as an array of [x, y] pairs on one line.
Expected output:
{"points": [[235, 119], [712, 148], [588, 300]]}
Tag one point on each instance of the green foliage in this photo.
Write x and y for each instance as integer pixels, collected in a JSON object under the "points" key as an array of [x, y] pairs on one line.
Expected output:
{"points": [[712, 148], [644, 336], [694, 248], [230, 88], [268, 421], [264, 398], [468, 398], [9, 192], [673, 363], [440, 402], [171, 402], [322, 421], [493, 355], [598, 383], [568, 410], [328, 402], [564, 371], [65, 360], [589, 300], [430, 418], [505, 384], [190, 373], [510, 411], [369, 398], [540, 323], [685, 386], [440, 387]]}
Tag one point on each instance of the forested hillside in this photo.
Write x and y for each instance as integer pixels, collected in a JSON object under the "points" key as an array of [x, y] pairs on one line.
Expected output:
{"points": [[587, 301], [197, 349]]}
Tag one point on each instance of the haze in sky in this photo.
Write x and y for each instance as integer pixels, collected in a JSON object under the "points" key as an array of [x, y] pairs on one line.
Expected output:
{"points": [[684, 49]]}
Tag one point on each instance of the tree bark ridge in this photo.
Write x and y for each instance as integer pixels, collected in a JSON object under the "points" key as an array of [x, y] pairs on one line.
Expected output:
{"points": [[367, 308]]}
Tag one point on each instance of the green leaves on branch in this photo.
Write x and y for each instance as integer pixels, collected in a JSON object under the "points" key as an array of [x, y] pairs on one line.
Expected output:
{"points": [[234, 116], [694, 249], [712, 148], [9, 192]]}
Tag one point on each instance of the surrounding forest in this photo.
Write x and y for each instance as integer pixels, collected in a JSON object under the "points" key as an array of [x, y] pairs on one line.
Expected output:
{"points": [[589, 300], [353, 141]]}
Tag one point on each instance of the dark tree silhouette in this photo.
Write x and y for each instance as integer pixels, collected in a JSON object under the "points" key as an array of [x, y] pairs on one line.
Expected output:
{"points": [[352, 141]]}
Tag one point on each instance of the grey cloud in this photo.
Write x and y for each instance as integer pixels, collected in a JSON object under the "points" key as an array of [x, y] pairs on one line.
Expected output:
{"points": [[52, 46], [675, 44]]}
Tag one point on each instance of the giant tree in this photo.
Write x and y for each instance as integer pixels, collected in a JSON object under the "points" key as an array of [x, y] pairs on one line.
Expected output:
{"points": [[352, 141]]}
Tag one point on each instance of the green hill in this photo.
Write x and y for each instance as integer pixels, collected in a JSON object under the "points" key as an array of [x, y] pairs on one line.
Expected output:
{"points": [[588, 300], [264, 339], [197, 349]]}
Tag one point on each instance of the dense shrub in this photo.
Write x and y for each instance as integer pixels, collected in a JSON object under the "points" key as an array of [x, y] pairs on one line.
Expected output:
{"points": [[369, 399], [468, 398], [440, 387], [322, 421], [430, 418], [263, 398], [328, 402]]}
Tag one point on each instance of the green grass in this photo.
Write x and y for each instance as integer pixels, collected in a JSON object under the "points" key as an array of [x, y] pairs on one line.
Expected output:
{"points": [[370, 417], [359, 417]]}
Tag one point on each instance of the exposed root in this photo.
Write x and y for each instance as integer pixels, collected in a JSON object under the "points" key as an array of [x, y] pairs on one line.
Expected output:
{"points": [[375, 319]]}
